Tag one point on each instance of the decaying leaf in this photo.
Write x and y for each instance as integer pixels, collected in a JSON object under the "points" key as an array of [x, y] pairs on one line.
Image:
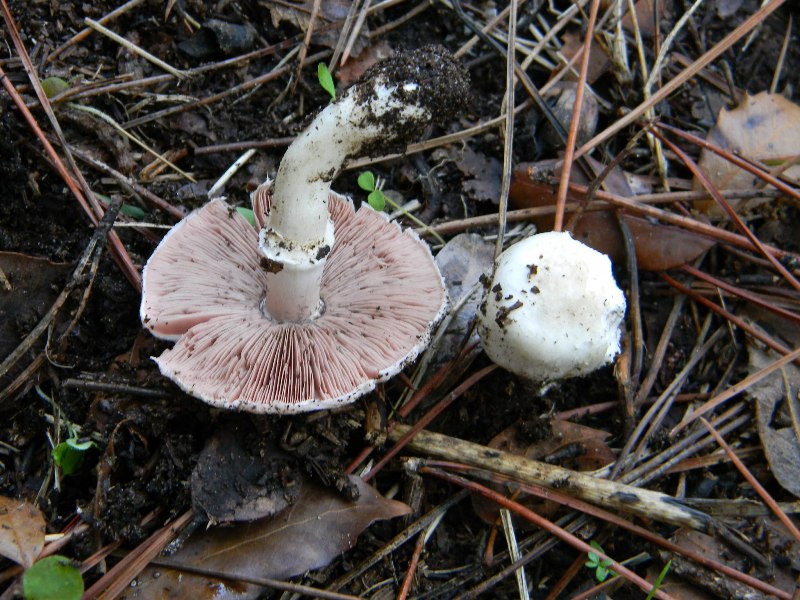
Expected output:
{"points": [[462, 261], [355, 67], [778, 408], [27, 296], [307, 535], [763, 128], [658, 247], [240, 477], [702, 583], [22, 530], [330, 12], [483, 175]]}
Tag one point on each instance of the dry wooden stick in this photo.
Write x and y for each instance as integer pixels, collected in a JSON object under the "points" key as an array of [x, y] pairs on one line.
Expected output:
{"points": [[603, 492]]}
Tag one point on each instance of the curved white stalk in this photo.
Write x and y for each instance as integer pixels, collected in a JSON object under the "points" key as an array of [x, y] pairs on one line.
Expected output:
{"points": [[391, 108]]}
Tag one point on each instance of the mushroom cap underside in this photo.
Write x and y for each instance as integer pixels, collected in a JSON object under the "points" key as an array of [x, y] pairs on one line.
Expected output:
{"points": [[204, 286]]}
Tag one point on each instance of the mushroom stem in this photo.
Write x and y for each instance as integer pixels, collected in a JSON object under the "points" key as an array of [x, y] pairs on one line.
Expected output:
{"points": [[389, 107]]}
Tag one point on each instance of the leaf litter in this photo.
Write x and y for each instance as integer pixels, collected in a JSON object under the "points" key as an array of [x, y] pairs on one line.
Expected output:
{"points": [[257, 99]]}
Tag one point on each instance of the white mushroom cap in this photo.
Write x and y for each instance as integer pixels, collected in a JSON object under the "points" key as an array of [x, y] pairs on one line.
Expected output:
{"points": [[204, 286], [552, 310]]}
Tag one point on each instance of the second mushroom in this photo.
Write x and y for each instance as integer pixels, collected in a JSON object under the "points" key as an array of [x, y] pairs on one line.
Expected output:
{"points": [[325, 301]]}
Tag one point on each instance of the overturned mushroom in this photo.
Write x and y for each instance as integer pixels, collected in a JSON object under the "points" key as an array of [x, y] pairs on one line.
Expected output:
{"points": [[325, 301], [552, 309]]}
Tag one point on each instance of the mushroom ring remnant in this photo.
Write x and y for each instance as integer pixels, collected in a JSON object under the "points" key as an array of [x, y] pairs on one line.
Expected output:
{"points": [[205, 285]]}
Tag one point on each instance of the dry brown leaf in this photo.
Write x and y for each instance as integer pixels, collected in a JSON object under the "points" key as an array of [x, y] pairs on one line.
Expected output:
{"points": [[763, 128], [32, 292], [330, 11], [483, 175], [355, 67], [305, 536], [21, 531], [462, 261], [658, 247], [778, 424]]}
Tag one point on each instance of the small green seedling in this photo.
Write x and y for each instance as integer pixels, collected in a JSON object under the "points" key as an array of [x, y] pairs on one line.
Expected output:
{"points": [[69, 455], [53, 86], [247, 214], [601, 570], [376, 198], [52, 578], [659, 580], [326, 80]]}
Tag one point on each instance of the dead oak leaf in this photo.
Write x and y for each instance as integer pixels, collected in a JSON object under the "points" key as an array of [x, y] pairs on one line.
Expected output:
{"points": [[308, 535], [764, 128], [21, 531]]}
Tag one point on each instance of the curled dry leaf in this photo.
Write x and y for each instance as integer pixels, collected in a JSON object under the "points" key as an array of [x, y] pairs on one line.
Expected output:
{"points": [[21, 531], [462, 261], [763, 128], [26, 294], [658, 247], [778, 405], [354, 68], [307, 535]]}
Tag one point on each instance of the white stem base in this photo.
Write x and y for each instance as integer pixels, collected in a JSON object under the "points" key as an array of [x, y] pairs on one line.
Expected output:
{"points": [[294, 275]]}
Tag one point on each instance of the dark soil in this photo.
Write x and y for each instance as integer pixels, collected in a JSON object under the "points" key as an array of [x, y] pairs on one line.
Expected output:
{"points": [[91, 369]]}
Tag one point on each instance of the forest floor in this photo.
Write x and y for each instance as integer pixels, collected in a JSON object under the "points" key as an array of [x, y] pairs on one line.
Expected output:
{"points": [[710, 311]]}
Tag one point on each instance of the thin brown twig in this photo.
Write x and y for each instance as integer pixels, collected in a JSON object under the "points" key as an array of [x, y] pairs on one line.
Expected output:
{"points": [[738, 161], [85, 32], [735, 390], [722, 46], [440, 406], [726, 314], [540, 521], [742, 293], [650, 536], [572, 135], [83, 193], [760, 490], [408, 580], [725, 205]]}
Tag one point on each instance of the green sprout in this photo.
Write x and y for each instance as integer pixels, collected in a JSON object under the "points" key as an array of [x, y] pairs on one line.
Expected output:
{"points": [[247, 214], [54, 577], [376, 198], [53, 86], [659, 580], [601, 570], [69, 455], [326, 80]]}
